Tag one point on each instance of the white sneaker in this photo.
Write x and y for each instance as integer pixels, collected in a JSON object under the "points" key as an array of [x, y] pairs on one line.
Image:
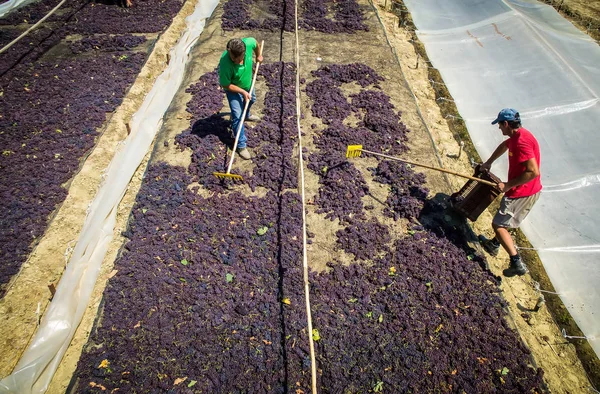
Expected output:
{"points": [[253, 118], [244, 153]]}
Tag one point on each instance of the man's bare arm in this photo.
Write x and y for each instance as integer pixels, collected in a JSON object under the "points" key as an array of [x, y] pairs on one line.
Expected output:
{"points": [[258, 52], [500, 150]]}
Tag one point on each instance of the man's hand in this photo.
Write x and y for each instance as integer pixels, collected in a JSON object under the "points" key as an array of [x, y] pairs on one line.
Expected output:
{"points": [[259, 58], [502, 187], [247, 96]]}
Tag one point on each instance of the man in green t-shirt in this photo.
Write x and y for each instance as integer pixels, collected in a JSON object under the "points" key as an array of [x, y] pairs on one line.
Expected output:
{"points": [[235, 76]]}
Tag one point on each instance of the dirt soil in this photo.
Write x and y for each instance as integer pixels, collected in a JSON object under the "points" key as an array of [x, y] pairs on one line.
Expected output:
{"points": [[389, 50], [584, 14]]}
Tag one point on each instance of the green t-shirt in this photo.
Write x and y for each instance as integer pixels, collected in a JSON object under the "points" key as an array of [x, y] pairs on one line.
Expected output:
{"points": [[239, 75]]}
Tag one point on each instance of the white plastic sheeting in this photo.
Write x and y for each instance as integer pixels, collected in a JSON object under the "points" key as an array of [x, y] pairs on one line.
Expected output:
{"points": [[10, 5], [522, 54], [36, 367]]}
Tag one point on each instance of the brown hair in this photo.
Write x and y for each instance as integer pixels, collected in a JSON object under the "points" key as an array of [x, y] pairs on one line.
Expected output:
{"points": [[236, 47], [514, 124]]}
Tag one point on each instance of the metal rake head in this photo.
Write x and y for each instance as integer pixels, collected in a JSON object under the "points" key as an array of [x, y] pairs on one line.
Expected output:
{"points": [[354, 151], [225, 176]]}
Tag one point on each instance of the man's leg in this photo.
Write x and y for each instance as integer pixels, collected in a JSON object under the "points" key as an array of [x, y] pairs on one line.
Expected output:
{"points": [[510, 215], [503, 236], [236, 104], [252, 118], [516, 265]]}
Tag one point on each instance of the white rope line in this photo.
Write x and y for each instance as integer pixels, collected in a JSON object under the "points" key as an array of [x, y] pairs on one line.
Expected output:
{"points": [[5, 48], [564, 334], [431, 81], [453, 117], [538, 288], [313, 363], [566, 249]]}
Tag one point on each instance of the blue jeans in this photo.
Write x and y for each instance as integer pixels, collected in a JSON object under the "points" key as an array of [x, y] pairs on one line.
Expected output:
{"points": [[236, 104]]}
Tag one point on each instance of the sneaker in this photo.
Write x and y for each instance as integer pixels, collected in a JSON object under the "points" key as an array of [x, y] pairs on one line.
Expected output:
{"points": [[517, 267], [252, 118], [244, 153], [492, 246]]}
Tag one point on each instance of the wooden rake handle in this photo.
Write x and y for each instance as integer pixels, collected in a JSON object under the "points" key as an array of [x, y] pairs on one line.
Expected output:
{"points": [[237, 133], [431, 168]]}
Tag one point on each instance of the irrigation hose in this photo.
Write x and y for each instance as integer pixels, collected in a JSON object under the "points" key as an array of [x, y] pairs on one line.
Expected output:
{"points": [[313, 364], [7, 46]]}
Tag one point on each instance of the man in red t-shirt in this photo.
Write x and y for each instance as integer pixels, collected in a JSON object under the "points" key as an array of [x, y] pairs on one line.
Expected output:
{"points": [[522, 189]]}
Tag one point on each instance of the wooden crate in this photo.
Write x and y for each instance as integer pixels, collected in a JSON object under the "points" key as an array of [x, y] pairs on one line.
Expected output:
{"points": [[475, 197]]}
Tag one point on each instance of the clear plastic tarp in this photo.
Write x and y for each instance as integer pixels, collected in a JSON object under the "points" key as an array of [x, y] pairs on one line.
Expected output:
{"points": [[11, 5], [522, 54]]}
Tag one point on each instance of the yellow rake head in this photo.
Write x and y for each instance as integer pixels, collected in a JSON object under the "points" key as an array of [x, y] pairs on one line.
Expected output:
{"points": [[225, 176], [354, 151]]}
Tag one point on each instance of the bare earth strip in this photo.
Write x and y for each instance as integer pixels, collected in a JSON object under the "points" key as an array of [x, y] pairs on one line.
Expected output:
{"points": [[46, 263]]}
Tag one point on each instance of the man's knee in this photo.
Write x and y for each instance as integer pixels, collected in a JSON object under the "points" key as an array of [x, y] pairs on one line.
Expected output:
{"points": [[498, 227]]}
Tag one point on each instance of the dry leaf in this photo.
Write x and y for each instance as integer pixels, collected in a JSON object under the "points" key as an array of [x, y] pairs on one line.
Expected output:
{"points": [[104, 364], [101, 387], [138, 324], [179, 381]]}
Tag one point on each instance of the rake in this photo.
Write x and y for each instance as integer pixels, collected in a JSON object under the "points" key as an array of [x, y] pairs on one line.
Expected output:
{"points": [[356, 151], [228, 174]]}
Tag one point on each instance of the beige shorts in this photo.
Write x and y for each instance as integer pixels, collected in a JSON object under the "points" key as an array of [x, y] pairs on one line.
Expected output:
{"points": [[513, 211]]}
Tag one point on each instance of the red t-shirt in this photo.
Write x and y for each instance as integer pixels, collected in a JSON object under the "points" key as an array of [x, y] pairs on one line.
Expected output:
{"points": [[522, 146]]}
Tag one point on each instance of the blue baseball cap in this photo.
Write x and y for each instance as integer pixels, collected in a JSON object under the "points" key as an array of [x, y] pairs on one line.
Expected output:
{"points": [[507, 114]]}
